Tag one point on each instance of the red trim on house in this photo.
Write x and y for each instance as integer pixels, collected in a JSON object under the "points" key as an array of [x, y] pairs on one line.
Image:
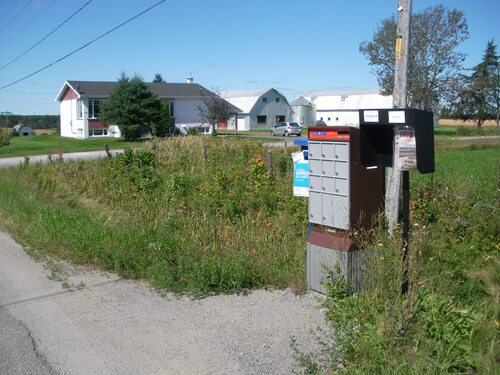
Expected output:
{"points": [[69, 94], [96, 124]]}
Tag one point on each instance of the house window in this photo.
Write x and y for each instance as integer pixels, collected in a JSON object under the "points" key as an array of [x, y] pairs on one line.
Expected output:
{"points": [[261, 119], [94, 108], [264, 100], [277, 100], [79, 105], [328, 118], [343, 98], [313, 98], [97, 132], [280, 118], [321, 118]]}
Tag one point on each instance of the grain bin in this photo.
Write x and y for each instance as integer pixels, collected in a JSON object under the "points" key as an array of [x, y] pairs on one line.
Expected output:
{"points": [[304, 112]]}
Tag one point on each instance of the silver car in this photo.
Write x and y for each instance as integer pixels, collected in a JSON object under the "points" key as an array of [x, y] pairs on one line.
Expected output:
{"points": [[286, 129]]}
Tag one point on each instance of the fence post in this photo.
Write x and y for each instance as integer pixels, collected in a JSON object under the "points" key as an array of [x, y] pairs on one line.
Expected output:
{"points": [[270, 162]]}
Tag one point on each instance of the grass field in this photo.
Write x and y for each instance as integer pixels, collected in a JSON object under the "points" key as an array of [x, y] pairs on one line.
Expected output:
{"points": [[199, 223], [55, 144]]}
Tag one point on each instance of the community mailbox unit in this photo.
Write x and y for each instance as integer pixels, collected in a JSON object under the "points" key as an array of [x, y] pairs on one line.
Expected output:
{"points": [[346, 183], [343, 195]]}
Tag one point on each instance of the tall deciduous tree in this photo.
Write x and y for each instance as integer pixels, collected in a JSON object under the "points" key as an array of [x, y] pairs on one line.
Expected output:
{"points": [[215, 110], [434, 62], [131, 104]]}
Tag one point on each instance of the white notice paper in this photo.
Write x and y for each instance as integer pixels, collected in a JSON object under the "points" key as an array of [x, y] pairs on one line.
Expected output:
{"points": [[396, 117], [370, 116]]}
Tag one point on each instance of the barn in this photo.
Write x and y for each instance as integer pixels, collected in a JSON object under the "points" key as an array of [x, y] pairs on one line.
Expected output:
{"points": [[261, 108], [340, 107], [22, 129]]}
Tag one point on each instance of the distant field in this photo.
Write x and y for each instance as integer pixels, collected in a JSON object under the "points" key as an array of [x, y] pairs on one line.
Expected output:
{"points": [[55, 144], [45, 131], [450, 122]]}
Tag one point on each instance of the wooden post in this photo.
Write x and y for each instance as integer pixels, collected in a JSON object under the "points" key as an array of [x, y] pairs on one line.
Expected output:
{"points": [[204, 152], [270, 162], [393, 181]]}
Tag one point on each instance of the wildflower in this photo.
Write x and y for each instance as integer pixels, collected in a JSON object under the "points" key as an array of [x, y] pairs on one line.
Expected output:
{"points": [[380, 244], [497, 323], [381, 258], [420, 283]]}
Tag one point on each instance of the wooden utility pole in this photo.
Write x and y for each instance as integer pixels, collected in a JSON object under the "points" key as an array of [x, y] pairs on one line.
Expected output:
{"points": [[393, 181]]}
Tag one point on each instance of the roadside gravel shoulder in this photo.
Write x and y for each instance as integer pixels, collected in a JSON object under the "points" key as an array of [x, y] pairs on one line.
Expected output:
{"points": [[102, 324]]}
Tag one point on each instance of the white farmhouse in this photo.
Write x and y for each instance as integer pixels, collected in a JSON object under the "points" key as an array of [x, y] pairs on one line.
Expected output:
{"points": [[340, 107], [261, 108], [81, 100]]}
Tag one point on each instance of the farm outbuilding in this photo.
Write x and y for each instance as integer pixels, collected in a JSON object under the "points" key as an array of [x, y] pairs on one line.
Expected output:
{"points": [[340, 107], [261, 108], [304, 112], [22, 129]]}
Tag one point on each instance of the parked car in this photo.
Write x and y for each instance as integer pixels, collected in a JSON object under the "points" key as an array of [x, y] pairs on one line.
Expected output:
{"points": [[286, 129], [320, 123]]}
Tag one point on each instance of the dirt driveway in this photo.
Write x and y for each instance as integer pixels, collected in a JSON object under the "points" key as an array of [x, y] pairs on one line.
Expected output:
{"points": [[88, 322]]}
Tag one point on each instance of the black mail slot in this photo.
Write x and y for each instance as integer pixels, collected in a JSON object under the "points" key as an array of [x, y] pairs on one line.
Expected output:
{"points": [[377, 136]]}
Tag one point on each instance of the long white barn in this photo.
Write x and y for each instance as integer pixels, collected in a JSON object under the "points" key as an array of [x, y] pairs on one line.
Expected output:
{"points": [[340, 107]]}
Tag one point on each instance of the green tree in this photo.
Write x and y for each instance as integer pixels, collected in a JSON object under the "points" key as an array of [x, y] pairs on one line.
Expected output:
{"points": [[160, 127], [478, 97], [434, 62], [158, 78], [131, 104]]}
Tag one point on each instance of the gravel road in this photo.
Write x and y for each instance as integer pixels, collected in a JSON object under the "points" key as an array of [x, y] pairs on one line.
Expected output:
{"points": [[102, 324]]}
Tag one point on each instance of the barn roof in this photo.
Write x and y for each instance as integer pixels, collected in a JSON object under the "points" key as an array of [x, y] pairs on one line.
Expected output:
{"points": [[328, 100], [246, 99]]}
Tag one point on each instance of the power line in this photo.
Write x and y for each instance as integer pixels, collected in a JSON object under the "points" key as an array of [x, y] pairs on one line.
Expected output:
{"points": [[84, 46], [17, 15], [28, 24], [7, 11], [46, 36]]}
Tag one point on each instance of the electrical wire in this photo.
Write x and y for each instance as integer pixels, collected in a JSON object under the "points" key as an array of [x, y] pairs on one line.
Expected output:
{"points": [[7, 11], [84, 46], [17, 15], [46, 36]]}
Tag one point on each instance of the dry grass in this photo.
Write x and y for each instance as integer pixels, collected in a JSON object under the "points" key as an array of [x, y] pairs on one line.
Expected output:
{"points": [[44, 131], [450, 122]]}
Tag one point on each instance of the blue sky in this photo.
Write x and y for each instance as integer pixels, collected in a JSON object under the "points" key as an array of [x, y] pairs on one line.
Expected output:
{"points": [[291, 45]]}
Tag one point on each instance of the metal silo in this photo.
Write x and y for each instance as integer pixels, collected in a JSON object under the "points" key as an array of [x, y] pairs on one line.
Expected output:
{"points": [[304, 112]]}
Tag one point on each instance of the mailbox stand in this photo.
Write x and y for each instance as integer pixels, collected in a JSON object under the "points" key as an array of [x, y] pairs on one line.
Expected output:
{"points": [[346, 184], [343, 195]]}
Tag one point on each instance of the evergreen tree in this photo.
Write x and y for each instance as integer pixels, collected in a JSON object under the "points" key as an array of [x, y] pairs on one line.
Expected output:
{"points": [[131, 104], [158, 78], [478, 98], [160, 127]]}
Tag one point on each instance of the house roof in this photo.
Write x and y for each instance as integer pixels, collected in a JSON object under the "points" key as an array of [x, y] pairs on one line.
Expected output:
{"points": [[101, 89], [165, 90], [246, 99]]}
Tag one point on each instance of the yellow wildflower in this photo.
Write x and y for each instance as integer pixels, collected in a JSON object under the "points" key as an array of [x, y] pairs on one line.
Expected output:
{"points": [[497, 323], [381, 258], [380, 244]]}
